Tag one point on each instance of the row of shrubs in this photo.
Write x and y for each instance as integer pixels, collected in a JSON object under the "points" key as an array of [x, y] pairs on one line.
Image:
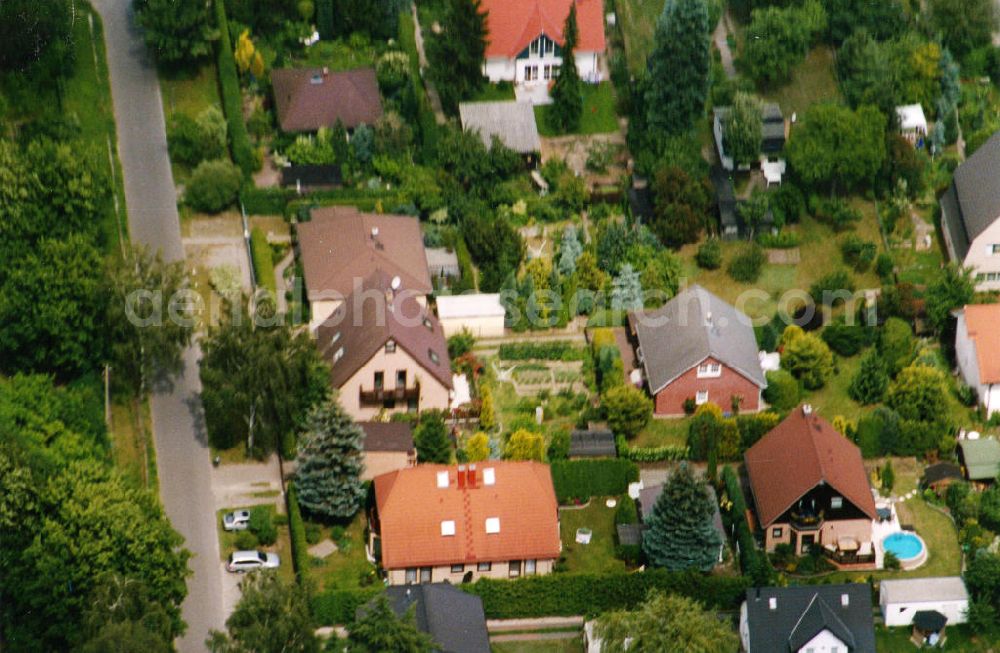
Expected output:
{"points": [[592, 594], [334, 607], [263, 262], [650, 454], [581, 479], [297, 532], [556, 350], [426, 121], [285, 201], [232, 98], [753, 561]]}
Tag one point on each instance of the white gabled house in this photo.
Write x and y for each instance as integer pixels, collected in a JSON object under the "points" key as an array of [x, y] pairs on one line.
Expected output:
{"points": [[977, 350]]}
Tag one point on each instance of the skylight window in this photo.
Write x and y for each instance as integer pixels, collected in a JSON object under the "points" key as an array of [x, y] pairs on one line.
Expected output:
{"points": [[448, 527], [433, 355], [489, 476], [338, 355], [492, 525], [442, 479]]}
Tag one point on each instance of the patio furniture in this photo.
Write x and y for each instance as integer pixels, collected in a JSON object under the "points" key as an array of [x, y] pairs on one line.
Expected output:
{"points": [[583, 535]]}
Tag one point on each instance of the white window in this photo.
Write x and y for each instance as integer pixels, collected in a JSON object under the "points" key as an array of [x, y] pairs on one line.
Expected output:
{"points": [[701, 397], [448, 527], [457, 569], [489, 476], [530, 73], [335, 338], [492, 525], [425, 574], [411, 575], [442, 480], [514, 568], [390, 347], [529, 567], [993, 249], [484, 566], [433, 355], [837, 503], [338, 355], [709, 370]]}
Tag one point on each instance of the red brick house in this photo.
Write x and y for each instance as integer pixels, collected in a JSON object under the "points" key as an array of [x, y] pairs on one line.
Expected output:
{"points": [[698, 347], [810, 488]]}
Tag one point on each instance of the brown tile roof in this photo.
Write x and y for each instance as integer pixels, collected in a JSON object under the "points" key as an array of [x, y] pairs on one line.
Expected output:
{"points": [[797, 455], [337, 249], [309, 98], [372, 316], [981, 322], [411, 508], [387, 436]]}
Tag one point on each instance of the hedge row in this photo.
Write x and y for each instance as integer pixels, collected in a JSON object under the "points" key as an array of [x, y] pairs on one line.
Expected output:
{"points": [[337, 607], [265, 201], [592, 594], [555, 350], [232, 98], [582, 479], [297, 532], [651, 454], [263, 263], [279, 201], [426, 122], [468, 274], [752, 560]]}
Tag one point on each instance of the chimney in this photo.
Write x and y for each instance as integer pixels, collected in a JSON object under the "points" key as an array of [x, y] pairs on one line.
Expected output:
{"points": [[326, 71], [772, 603], [807, 409], [708, 318], [461, 477], [845, 600], [374, 233], [472, 477]]}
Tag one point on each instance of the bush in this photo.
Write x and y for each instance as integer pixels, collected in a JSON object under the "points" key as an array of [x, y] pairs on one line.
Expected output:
{"points": [[246, 541], [592, 594], [835, 212], [891, 562], [556, 350], [262, 526], [297, 533], [651, 454], [753, 561], [338, 607], [184, 140], [858, 253], [746, 266], [232, 97], [626, 513], [582, 479], [213, 186], [263, 263], [314, 533], [782, 391], [830, 288], [709, 254], [884, 266], [847, 340], [780, 240], [266, 201]]}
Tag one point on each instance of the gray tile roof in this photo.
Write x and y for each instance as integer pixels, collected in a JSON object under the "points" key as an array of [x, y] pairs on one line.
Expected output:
{"points": [[453, 618], [513, 122], [919, 590], [688, 329], [387, 436], [591, 444], [803, 612], [974, 203]]}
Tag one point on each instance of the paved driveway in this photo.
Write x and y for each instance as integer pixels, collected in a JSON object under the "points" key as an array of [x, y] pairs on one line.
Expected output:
{"points": [[181, 451]]}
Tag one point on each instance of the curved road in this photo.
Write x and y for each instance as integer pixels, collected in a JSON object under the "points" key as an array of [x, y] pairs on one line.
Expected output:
{"points": [[182, 454]]}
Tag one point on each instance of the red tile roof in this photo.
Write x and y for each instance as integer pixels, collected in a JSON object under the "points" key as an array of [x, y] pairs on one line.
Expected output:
{"points": [[309, 98], [981, 323], [338, 249], [512, 25], [797, 455], [411, 508]]}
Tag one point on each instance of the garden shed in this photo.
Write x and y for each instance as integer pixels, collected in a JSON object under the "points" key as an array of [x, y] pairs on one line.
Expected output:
{"points": [[980, 458], [592, 444], [901, 600], [482, 314]]}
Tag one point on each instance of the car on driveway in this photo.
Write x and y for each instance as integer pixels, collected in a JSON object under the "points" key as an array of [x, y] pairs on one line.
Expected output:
{"points": [[237, 520], [241, 561]]}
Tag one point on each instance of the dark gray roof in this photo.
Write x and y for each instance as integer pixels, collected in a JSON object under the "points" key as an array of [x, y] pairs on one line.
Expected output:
{"points": [[940, 472], [977, 193], [584, 444], [387, 436], [929, 621], [688, 329], [772, 127], [455, 619], [803, 612], [951, 219]]}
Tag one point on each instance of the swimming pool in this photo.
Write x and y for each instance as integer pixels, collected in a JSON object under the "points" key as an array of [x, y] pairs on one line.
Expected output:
{"points": [[906, 546]]}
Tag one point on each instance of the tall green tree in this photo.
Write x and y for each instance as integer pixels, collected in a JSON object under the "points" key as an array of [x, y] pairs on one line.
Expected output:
{"points": [[379, 629], [780, 37], [809, 359], [895, 343], [629, 409], [431, 438], [259, 380], [963, 25], [837, 148], [626, 290], [679, 534], [149, 322], [665, 622], [272, 616], [742, 129], [676, 83], [681, 206], [123, 617], [564, 113], [31, 30], [457, 53], [950, 290], [871, 380], [179, 32], [919, 392], [330, 462], [52, 310]]}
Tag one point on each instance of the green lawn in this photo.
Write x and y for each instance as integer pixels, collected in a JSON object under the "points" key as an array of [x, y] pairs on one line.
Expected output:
{"points": [[662, 433], [494, 93], [132, 443], [599, 555], [598, 111], [960, 639], [190, 92], [572, 645], [637, 21], [346, 567], [283, 547], [337, 55], [812, 81]]}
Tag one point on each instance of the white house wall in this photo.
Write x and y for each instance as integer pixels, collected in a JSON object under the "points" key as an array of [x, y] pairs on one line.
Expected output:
{"points": [[481, 327], [982, 259], [433, 394], [901, 614], [509, 69], [824, 642], [968, 365]]}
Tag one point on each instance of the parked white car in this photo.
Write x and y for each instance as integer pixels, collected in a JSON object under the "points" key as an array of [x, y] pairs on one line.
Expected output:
{"points": [[237, 520], [241, 561]]}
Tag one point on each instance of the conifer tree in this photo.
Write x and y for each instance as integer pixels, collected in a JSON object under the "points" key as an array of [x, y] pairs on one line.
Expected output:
{"points": [[680, 535], [328, 478], [567, 102], [676, 83], [457, 53], [431, 439], [871, 381]]}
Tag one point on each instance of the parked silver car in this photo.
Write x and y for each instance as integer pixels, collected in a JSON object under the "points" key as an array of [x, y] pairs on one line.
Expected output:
{"points": [[241, 561], [237, 520]]}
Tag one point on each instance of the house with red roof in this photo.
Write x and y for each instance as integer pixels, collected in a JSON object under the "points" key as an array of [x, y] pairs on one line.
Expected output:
{"points": [[977, 349], [810, 488], [525, 40], [434, 523]]}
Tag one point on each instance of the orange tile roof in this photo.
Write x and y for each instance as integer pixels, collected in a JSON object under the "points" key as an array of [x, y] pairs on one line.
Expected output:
{"points": [[797, 455], [512, 26], [982, 322], [411, 508]]}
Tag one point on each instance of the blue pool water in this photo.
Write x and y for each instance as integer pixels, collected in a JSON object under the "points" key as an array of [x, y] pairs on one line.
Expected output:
{"points": [[905, 545]]}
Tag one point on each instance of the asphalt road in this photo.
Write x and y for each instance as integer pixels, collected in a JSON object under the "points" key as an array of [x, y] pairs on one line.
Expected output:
{"points": [[182, 454]]}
